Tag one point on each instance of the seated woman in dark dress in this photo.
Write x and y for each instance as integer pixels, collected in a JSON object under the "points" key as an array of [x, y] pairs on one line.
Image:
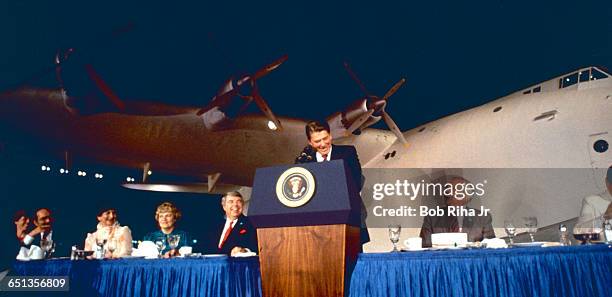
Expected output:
{"points": [[166, 216]]}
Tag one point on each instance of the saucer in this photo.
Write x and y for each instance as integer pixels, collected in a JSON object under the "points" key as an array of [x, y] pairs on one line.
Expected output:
{"points": [[132, 257], [414, 250], [449, 247], [530, 244], [215, 255]]}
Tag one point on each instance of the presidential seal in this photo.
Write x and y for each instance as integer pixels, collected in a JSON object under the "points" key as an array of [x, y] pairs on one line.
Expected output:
{"points": [[295, 187]]}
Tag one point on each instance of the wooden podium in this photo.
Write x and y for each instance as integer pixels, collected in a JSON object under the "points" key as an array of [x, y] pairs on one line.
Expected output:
{"points": [[309, 249]]}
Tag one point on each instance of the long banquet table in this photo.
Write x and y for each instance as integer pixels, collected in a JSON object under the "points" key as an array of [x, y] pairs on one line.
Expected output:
{"points": [[221, 276], [553, 271]]}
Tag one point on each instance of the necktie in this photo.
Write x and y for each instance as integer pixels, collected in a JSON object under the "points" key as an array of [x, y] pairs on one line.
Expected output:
{"points": [[227, 233], [324, 158]]}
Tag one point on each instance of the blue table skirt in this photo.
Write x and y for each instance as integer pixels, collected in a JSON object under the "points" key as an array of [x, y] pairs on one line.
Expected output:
{"points": [[164, 277], [555, 271], [562, 271]]}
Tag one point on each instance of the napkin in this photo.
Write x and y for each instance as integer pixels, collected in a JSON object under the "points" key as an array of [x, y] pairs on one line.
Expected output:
{"points": [[146, 249], [24, 254], [32, 253], [495, 243], [449, 239], [185, 250]]}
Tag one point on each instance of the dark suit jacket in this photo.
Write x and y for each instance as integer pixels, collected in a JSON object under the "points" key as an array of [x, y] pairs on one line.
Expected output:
{"points": [[476, 227], [348, 153], [243, 235]]}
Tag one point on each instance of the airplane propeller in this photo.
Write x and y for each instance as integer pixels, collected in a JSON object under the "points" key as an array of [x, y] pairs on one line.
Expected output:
{"points": [[269, 68], [228, 92], [376, 107]]}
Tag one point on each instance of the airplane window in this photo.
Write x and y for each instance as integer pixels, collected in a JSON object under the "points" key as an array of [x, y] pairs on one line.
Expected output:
{"points": [[527, 92], [596, 74], [537, 89], [570, 80], [392, 154], [600, 146], [387, 156], [584, 75], [497, 109], [422, 129]]}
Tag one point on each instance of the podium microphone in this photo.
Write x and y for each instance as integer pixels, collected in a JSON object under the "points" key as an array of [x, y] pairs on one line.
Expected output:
{"points": [[304, 156]]}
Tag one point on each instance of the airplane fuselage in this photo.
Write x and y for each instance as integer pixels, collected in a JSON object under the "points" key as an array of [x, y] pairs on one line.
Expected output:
{"points": [[557, 128]]}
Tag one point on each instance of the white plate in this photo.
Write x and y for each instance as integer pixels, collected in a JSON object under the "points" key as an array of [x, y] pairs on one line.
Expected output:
{"points": [[529, 244], [448, 248], [132, 257], [214, 255], [415, 250]]}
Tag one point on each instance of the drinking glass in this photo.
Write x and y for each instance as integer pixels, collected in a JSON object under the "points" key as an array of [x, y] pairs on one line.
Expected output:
{"points": [[588, 230], [510, 230], [161, 245], [100, 243], [394, 235], [173, 241], [531, 223], [111, 246], [47, 246]]}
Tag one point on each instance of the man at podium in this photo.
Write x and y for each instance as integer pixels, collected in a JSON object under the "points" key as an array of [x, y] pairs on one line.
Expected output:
{"points": [[321, 149]]}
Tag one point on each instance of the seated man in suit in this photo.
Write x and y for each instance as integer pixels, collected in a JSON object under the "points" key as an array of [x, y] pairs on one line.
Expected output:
{"points": [[237, 234], [42, 230], [597, 205], [321, 149], [477, 227]]}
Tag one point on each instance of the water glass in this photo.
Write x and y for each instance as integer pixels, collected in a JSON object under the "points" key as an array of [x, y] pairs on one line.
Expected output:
{"points": [[111, 246], [394, 235], [48, 247], [510, 229], [531, 223], [161, 245], [173, 241], [100, 248]]}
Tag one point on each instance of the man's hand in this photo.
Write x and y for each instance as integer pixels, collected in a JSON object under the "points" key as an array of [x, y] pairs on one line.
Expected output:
{"points": [[36, 231], [237, 250], [20, 227]]}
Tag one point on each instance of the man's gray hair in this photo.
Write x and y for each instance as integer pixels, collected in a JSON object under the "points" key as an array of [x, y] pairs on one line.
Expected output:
{"points": [[231, 193]]}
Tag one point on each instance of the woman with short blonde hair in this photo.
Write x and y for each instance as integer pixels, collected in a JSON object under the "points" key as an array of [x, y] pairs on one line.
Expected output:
{"points": [[166, 215]]}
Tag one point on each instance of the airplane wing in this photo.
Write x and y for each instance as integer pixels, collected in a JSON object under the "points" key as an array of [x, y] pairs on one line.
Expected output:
{"points": [[183, 187]]}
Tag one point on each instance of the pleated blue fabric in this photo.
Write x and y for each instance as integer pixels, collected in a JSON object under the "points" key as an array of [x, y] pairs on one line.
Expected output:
{"points": [[160, 277], [554, 271]]}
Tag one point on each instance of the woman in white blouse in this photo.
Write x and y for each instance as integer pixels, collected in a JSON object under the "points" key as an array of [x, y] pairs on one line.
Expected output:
{"points": [[117, 240]]}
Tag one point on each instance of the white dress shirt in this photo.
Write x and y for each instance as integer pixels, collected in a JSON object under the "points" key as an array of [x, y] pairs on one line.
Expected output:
{"points": [[320, 157], [225, 229]]}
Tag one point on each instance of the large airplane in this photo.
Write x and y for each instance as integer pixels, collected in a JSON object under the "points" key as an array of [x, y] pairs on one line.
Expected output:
{"points": [[560, 123]]}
